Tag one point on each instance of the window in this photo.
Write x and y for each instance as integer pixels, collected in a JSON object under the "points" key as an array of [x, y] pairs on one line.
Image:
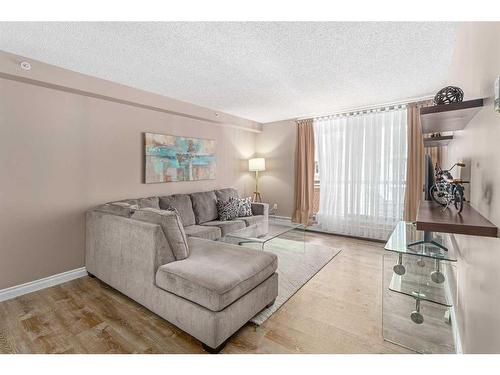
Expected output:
{"points": [[361, 171]]}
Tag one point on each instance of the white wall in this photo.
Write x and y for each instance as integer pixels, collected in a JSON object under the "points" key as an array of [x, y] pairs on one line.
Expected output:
{"points": [[475, 65]]}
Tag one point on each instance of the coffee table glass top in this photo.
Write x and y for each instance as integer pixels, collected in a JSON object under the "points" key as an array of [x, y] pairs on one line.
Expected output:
{"points": [[262, 232]]}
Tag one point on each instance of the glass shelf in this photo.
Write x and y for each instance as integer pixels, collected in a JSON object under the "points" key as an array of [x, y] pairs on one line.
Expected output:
{"points": [[406, 233], [434, 335], [419, 290], [417, 282]]}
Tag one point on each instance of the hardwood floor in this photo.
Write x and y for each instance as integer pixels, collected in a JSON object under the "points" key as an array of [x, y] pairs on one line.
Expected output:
{"points": [[337, 311]]}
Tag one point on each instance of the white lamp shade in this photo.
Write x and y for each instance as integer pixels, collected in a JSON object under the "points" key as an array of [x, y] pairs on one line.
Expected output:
{"points": [[257, 164]]}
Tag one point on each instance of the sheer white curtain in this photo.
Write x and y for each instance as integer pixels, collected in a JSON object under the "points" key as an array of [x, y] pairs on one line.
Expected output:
{"points": [[362, 172]]}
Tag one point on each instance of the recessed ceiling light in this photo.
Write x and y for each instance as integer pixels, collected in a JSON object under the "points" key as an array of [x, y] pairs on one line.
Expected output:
{"points": [[25, 65]]}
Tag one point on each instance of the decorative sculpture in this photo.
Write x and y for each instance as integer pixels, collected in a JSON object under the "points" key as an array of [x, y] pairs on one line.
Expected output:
{"points": [[448, 190], [449, 94]]}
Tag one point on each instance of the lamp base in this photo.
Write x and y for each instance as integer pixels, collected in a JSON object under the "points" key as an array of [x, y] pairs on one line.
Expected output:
{"points": [[256, 197]]}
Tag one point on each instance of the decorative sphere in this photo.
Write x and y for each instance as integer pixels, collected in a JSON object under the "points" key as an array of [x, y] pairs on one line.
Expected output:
{"points": [[449, 94]]}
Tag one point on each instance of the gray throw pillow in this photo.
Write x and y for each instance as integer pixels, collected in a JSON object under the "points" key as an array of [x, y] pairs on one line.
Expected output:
{"points": [[150, 202], [204, 206], [225, 194], [227, 210], [171, 225], [172, 209], [244, 206], [118, 208], [182, 202]]}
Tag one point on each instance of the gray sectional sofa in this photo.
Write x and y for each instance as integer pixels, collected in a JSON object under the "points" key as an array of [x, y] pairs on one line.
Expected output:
{"points": [[212, 291]]}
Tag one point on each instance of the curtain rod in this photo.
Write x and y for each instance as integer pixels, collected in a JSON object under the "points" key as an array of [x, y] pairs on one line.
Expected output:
{"points": [[390, 105]]}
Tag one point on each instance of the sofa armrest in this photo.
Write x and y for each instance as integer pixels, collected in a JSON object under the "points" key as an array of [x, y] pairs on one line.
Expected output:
{"points": [[260, 209], [123, 252]]}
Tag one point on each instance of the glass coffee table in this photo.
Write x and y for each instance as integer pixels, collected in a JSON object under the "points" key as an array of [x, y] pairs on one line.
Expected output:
{"points": [[273, 232]]}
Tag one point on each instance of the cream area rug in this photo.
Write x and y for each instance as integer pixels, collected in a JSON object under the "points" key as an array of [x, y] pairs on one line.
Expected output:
{"points": [[297, 264]]}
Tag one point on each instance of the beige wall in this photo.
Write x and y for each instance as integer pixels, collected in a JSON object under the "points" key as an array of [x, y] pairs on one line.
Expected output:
{"points": [[62, 153], [277, 144], [475, 66]]}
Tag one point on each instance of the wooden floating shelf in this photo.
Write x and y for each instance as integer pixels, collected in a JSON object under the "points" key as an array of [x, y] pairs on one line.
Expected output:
{"points": [[437, 141], [449, 117], [432, 218]]}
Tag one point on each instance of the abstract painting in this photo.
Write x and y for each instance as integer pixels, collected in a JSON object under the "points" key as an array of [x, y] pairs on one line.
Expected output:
{"points": [[170, 158]]}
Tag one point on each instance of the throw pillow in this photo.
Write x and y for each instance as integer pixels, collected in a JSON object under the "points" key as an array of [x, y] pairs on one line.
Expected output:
{"points": [[227, 210], [244, 206], [171, 209], [150, 202], [118, 208], [172, 227], [125, 204]]}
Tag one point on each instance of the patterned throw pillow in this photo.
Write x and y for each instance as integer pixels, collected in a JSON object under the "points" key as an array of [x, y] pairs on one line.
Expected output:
{"points": [[227, 210], [244, 206]]}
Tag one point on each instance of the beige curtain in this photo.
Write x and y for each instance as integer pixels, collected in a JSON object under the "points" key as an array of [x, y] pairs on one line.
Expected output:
{"points": [[415, 163], [436, 154], [304, 173]]}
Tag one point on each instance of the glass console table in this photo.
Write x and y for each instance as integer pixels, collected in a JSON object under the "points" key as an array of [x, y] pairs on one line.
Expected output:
{"points": [[405, 239], [419, 287]]}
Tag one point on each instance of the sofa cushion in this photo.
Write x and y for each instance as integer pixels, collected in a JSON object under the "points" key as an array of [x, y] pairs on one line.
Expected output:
{"points": [[251, 220], [171, 224], [129, 201], [226, 227], [227, 210], [150, 202], [216, 274], [225, 194], [203, 231], [182, 203], [118, 208], [204, 206]]}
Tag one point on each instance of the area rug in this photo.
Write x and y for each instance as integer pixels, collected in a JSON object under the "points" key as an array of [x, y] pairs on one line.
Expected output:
{"points": [[297, 264]]}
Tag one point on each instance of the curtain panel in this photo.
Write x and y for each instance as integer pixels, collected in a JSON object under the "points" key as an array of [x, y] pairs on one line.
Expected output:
{"points": [[362, 172], [304, 173], [415, 160]]}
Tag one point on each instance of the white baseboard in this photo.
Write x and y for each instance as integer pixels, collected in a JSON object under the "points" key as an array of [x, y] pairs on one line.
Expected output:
{"points": [[456, 332], [46, 282], [454, 323], [277, 217]]}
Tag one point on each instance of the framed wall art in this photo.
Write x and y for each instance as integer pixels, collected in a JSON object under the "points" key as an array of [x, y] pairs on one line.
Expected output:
{"points": [[170, 158]]}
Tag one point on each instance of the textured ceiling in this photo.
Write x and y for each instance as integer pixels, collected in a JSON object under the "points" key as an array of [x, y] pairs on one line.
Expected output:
{"points": [[256, 70]]}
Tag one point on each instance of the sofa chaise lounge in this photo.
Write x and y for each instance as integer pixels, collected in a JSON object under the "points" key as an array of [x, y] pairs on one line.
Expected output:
{"points": [[209, 294]]}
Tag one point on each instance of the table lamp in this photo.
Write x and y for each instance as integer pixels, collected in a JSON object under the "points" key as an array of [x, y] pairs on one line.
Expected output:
{"points": [[257, 165]]}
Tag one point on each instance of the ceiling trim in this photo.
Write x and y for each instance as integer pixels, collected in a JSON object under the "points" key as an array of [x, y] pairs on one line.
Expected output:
{"points": [[53, 77], [119, 101]]}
